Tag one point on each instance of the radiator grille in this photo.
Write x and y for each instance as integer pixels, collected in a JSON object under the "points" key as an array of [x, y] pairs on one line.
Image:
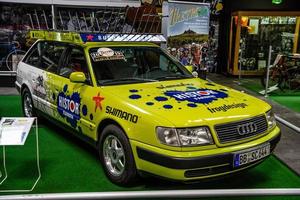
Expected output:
{"points": [[229, 132]]}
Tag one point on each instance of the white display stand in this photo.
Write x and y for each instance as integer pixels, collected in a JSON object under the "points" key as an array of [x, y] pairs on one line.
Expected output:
{"points": [[14, 131]]}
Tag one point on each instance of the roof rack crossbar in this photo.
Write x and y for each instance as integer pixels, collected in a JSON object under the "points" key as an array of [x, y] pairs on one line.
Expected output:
{"points": [[102, 19], [140, 21], [97, 22], [125, 17], [78, 22], [84, 18], [134, 20], [153, 20], [31, 21], [37, 19], [158, 24], [70, 17], [109, 21], [116, 21], [147, 20], [61, 21], [45, 18], [92, 18]]}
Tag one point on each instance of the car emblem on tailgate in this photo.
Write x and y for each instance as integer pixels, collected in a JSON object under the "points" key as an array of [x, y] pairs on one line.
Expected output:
{"points": [[247, 128]]}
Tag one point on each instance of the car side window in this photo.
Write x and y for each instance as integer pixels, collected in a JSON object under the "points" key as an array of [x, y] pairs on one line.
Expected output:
{"points": [[51, 55], [33, 57], [75, 62]]}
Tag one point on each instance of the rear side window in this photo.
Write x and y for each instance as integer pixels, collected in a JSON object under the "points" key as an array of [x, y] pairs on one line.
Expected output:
{"points": [[51, 56], [33, 57], [46, 55]]}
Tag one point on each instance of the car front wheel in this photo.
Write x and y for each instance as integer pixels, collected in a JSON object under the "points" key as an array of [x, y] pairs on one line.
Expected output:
{"points": [[116, 156]]}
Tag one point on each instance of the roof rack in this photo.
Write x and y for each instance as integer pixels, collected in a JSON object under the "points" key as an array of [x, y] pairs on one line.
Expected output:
{"points": [[106, 24]]}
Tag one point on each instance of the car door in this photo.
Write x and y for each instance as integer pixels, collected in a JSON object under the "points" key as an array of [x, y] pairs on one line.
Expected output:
{"points": [[75, 100], [50, 60], [34, 76]]}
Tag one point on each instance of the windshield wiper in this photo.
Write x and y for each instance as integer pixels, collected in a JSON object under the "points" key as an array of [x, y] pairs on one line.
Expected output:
{"points": [[126, 80], [172, 77]]}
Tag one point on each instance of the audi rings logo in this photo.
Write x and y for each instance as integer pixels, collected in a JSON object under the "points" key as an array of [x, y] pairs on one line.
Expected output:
{"points": [[247, 128]]}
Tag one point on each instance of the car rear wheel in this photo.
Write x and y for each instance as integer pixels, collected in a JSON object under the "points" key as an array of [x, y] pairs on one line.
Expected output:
{"points": [[116, 156], [27, 104]]}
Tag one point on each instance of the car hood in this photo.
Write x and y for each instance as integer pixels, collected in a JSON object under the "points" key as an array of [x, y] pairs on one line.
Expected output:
{"points": [[189, 102]]}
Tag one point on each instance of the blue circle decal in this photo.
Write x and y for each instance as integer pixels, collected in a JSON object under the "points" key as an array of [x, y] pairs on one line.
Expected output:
{"points": [[168, 106], [133, 91], [150, 103], [192, 105], [84, 110], [135, 96], [91, 117], [161, 98], [65, 88]]}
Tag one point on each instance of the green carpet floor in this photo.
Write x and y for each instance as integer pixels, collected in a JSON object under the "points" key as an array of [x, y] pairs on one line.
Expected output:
{"points": [[290, 99], [292, 102], [69, 165]]}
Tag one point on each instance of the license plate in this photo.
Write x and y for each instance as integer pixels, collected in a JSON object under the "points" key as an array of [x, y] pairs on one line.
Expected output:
{"points": [[251, 155]]}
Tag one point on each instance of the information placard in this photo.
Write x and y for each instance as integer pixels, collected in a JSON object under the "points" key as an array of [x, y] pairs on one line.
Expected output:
{"points": [[14, 131]]}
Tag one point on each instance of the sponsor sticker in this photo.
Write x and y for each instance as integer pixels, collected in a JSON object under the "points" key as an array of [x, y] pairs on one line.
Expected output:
{"points": [[98, 99], [69, 107], [226, 107], [122, 114], [103, 54], [203, 96]]}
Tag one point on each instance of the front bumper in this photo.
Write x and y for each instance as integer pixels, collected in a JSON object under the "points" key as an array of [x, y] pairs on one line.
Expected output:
{"points": [[179, 166]]}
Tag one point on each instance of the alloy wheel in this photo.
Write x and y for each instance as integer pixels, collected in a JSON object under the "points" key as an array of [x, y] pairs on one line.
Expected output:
{"points": [[114, 157]]}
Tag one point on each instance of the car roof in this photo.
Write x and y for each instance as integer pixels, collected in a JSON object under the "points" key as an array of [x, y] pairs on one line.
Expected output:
{"points": [[98, 39], [110, 44], [118, 44]]}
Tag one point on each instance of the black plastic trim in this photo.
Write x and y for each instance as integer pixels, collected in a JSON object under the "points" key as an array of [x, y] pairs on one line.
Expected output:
{"points": [[18, 88], [192, 163], [183, 163]]}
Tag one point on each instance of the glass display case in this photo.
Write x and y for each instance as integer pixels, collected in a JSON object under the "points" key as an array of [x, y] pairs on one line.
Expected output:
{"points": [[252, 33]]}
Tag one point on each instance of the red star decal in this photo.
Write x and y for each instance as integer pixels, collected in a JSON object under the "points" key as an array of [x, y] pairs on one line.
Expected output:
{"points": [[98, 100], [90, 37]]}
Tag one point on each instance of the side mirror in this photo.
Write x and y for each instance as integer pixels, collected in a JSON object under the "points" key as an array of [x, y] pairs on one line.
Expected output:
{"points": [[77, 77]]}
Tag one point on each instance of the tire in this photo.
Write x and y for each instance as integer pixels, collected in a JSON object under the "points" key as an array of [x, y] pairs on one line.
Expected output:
{"points": [[19, 55], [116, 156], [27, 104]]}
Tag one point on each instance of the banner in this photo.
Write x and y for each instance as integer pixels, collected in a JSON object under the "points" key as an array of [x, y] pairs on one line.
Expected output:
{"points": [[188, 17]]}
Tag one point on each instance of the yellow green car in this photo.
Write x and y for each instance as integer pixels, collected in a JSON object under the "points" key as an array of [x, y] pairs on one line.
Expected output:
{"points": [[143, 111]]}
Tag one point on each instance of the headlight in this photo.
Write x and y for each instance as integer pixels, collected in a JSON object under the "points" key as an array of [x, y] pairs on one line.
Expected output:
{"points": [[271, 119], [167, 136], [184, 136]]}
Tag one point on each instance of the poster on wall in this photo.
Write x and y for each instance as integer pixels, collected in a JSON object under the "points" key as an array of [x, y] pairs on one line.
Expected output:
{"points": [[253, 24], [188, 18], [188, 31]]}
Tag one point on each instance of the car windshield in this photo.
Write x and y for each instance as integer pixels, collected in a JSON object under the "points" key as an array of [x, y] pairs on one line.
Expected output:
{"points": [[126, 65]]}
